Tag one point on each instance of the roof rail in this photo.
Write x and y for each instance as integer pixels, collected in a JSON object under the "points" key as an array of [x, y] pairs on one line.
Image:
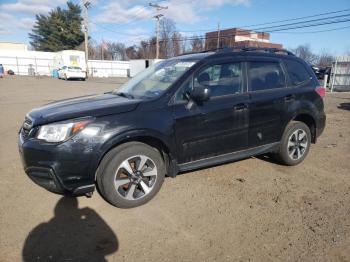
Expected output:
{"points": [[268, 50], [255, 49], [244, 49], [204, 51]]}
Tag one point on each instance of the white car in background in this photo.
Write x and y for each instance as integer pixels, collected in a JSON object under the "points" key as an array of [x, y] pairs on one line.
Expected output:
{"points": [[71, 72]]}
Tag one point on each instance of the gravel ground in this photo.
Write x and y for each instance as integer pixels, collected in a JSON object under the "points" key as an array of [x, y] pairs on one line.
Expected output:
{"points": [[250, 210]]}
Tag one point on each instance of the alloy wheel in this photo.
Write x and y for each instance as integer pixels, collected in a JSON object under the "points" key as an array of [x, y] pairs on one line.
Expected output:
{"points": [[135, 177], [297, 144]]}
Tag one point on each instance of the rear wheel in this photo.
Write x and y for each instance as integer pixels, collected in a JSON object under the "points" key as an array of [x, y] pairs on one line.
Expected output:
{"points": [[131, 174], [295, 143]]}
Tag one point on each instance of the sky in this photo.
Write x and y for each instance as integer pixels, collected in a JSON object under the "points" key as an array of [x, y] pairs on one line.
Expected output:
{"points": [[129, 21]]}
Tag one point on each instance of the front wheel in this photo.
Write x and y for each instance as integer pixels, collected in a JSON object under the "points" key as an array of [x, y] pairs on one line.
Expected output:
{"points": [[131, 174], [295, 144]]}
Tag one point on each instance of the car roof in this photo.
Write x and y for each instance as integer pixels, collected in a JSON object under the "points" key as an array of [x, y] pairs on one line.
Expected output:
{"points": [[244, 51]]}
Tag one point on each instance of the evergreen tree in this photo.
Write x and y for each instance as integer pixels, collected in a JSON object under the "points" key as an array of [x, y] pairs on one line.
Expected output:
{"points": [[59, 30]]}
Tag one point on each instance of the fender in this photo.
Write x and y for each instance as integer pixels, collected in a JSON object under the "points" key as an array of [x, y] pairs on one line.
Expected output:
{"points": [[300, 107], [135, 134]]}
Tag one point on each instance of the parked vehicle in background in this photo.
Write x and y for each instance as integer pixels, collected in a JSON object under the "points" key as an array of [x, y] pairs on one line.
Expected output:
{"points": [[184, 113], [2, 71], [316, 70], [324, 71], [70, 64], [71, 72]]}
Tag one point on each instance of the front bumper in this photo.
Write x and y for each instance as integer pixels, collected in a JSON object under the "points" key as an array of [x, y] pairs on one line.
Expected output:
{"points": [[46, 178], [60, 168]]}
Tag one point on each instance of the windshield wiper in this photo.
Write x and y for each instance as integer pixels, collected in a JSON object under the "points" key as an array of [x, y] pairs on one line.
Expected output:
{"points": [[126, 95]]}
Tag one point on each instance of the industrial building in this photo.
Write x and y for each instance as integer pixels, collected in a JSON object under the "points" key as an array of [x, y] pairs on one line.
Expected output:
{"points": [[238, 37]]}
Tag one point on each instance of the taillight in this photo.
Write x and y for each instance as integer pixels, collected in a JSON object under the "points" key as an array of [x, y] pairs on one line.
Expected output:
{"points": [[321, 91]]}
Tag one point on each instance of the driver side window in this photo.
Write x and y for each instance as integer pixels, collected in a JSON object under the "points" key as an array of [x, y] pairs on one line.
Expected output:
{"points": [[221, 79], [182, 94]]}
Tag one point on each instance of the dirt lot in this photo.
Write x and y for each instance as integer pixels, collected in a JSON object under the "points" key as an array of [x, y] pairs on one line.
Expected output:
{"points": [[250, 210]]}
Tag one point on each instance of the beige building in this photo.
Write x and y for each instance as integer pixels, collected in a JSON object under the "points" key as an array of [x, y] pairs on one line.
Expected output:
{"points": [[13, 46]]}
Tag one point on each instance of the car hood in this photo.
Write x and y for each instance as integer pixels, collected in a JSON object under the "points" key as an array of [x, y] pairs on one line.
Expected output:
{"points": [[92, 105]]}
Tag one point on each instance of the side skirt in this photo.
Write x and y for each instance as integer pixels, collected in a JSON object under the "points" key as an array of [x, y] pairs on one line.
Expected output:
{"points": [[215, 160]]}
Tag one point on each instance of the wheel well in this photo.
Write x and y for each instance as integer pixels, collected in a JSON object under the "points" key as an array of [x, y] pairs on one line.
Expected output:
{"points": [[310, 122], [153, 142]]}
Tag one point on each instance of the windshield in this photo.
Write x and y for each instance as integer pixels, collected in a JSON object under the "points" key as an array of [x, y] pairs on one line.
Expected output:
{"points": [[153, 81]]}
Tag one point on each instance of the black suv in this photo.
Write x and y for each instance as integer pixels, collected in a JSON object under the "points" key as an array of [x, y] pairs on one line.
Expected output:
{"points": [[184, 113]]}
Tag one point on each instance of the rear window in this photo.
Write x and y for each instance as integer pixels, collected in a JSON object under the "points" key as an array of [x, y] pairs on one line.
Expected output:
{"points": [[297, 72], [266, 75]]}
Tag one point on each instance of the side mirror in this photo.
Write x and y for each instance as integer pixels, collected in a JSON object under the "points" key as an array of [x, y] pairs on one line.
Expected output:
{"points": [[200, 94]]}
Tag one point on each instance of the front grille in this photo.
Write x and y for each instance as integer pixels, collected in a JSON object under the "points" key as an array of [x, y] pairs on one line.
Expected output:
{"points": [[28, 123], [26, 127]]}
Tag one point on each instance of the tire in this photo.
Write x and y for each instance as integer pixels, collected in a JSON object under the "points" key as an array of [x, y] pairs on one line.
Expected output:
{"points": [[125, 189], [293, 149]]}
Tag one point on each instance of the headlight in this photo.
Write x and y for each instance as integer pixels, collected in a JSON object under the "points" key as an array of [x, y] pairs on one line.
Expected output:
{"points": [[61, 131]]}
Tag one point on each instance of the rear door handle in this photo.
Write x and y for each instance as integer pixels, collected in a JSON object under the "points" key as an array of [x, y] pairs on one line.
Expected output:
{"points": [[239, 107], [289, 98]]}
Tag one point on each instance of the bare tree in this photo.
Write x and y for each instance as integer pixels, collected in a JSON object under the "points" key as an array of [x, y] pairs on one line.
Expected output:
{"points": [[167, 29], [147, 49], [131, 52], [325, 59], [184, 46], [197, 44], [116, 51], [176, 44], [305, 53]]}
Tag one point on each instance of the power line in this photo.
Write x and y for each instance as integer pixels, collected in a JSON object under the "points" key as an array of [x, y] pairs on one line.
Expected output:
{"points": [[299, 18], [266, 23], [302, 22], [136, 18], [274, 22], [276, 30], [314, 32], [311, 25], [113, 31]]}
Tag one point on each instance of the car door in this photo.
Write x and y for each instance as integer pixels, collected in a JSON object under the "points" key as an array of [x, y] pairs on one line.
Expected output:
{"points": [[267, 96], [217, 126]]}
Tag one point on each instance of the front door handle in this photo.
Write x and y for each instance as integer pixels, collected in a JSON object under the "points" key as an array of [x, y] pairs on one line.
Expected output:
{"points": [[240, 107], [289, 98]]}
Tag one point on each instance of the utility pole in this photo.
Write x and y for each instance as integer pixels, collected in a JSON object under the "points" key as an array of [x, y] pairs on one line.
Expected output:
{"points": [[157, 17], [218, 42], [157, 37], [86, 5]]}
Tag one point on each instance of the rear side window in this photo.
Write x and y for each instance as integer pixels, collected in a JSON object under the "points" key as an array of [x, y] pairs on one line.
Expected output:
{"points": [[266, 75], [297, 72]]}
